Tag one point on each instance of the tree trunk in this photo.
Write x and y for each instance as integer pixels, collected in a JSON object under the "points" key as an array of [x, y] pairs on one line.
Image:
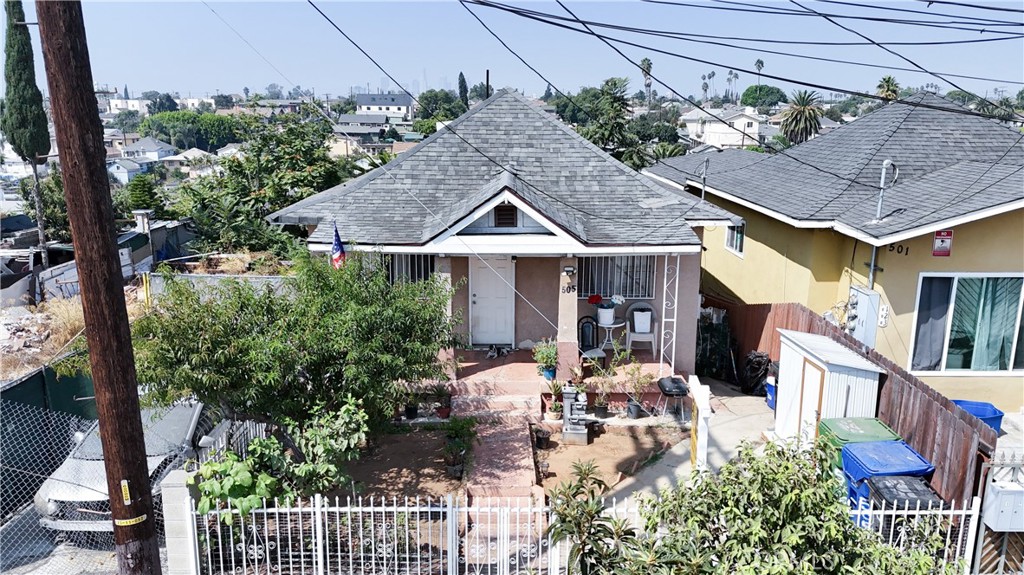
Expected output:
{"points": [[37, 199]]}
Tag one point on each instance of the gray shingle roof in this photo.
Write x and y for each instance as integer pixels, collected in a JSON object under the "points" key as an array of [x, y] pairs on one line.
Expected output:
{"points": [[577, 186], [362, 119], [149, 144], [400, 99], [834, 177], [698, 210]]}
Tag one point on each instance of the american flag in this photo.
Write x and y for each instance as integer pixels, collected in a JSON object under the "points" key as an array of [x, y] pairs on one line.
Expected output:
{"points": [[337, 250]]}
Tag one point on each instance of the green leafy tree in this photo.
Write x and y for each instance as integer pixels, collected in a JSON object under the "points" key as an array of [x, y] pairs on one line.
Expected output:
{"points": [[802, 120], [55, 211], [24, 121], [288, 358], [285, 160], [245, 93], [274, 92], [150, 95], [162, 103], [888, 88], [834, 114], [425, 127], [346, 106], [1020, 98], [463, 90], [205, 107], [648, 129], [962, 97], [581, 109], [127, 121], [548, 94], [479, 91], [298, 93], [440, 105], [187, 128], [762, 96], [142, 194], [392, 134]]}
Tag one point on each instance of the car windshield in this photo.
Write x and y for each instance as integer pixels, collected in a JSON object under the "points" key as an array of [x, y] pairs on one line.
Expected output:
{"points": [[164, 430]]}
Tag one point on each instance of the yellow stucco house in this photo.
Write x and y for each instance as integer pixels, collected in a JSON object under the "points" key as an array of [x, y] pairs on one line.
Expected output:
{"points": [[946, 237]]}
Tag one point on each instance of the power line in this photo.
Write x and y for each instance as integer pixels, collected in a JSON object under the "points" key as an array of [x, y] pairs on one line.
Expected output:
{"points": [[790, 11], [607, 39], [684, 38], [968, 5], [902, 57], [752, 9], [910, 11]]}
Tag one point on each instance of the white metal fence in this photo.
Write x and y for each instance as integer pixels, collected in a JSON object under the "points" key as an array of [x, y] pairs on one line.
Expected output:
{"points": [[952, 529], [325, 536]]}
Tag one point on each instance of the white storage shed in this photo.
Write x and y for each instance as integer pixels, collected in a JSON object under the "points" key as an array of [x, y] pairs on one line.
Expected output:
{"points": [[820, 378]]}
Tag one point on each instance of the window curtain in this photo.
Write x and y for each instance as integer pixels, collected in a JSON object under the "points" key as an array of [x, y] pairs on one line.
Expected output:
{"points": [[932, 310], [997, 320]]}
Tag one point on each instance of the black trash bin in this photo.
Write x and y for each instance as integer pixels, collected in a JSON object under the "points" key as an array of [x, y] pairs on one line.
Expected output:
{"points": [[899, 492]]}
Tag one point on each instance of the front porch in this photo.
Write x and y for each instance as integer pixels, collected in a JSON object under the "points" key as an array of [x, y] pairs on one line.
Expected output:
{"points": [[481, 383]]}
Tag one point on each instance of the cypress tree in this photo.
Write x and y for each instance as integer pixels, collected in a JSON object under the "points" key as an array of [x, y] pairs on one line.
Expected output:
{"points": [[24, 121], [463, 90], [125, 94]]}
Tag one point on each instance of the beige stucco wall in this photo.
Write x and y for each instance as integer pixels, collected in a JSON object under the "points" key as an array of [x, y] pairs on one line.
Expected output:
{"points": [[537, 280], [992, 245], [816, 267]]}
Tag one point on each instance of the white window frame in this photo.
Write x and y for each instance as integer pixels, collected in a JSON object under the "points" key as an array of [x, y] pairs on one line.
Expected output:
{"points": [[730, 239], [647, 265], [943, 372]]}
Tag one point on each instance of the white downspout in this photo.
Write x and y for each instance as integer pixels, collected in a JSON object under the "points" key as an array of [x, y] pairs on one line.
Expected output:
{"points": [[878, 214]]}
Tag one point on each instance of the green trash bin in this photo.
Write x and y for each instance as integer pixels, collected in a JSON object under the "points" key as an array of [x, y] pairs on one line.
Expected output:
{"points": [[842, 430]]}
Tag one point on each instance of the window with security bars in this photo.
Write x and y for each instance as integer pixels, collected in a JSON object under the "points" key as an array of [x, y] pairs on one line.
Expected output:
{"points": [[629, 276], [409, 267]]}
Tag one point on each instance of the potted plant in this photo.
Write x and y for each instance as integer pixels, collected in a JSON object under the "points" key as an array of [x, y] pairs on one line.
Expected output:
{"points": [[454, 455], [555, 391], [604, 385], [606, 307], [545, 353], [637, 383], [543, 438], [554, 412], [443, 396]]}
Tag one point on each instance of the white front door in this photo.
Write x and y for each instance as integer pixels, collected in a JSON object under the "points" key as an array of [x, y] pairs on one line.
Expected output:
{"points": [[491, 299]]}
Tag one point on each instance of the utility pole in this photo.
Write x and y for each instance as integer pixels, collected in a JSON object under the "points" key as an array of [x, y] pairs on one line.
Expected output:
{"points": [[87, 193]]}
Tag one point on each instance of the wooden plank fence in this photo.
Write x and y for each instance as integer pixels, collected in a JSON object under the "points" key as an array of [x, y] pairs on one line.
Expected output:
{"points": [[946, 435]]}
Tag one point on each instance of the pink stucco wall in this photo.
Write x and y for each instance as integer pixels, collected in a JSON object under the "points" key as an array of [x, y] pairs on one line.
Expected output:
{"points": [[537, 282]]}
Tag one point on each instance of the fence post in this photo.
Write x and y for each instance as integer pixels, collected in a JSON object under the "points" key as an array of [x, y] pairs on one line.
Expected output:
{"points": [[319, 518], [452, 516], [972, 534], [180, 525]]}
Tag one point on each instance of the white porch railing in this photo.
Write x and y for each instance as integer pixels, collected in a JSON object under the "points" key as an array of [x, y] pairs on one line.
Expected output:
{"points": [[323, 536]]}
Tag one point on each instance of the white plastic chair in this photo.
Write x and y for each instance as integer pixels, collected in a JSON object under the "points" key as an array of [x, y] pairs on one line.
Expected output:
{"points": [[635, 331]]}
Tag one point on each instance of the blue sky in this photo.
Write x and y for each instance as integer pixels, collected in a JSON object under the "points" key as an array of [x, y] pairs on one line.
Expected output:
{"points": [[184, 47]]}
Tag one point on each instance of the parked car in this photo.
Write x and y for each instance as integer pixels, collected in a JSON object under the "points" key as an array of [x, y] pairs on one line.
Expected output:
{"points": [[74, 498]]}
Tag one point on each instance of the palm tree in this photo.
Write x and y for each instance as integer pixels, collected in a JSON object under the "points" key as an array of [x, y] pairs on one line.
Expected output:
{"points": [[664, 150], [711, 78], [645, 68], [802, 120], [889, 88], [758, 64], [704, 85]]}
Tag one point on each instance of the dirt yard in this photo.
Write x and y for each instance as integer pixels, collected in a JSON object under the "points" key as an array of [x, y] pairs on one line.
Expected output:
{"points": [[619, 452], [403, 465]]}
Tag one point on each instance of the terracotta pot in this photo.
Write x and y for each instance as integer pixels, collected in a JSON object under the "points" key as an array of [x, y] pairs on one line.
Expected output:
{"points": [[443, 412]]}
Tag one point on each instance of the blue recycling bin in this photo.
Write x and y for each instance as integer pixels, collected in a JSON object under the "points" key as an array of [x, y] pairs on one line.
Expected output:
{"points": [[989, 414], [770, 395], [862, 461]]}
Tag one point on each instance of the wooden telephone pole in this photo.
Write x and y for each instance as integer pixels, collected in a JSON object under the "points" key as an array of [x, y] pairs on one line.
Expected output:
{"points": [[87, 192]]}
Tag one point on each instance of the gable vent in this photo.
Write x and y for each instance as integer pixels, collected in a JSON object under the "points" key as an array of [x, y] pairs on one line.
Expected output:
{"points": [[505, 216]]}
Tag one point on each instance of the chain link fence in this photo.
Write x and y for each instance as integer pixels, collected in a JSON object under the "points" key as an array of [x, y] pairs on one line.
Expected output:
{"points": [[53, 489]]}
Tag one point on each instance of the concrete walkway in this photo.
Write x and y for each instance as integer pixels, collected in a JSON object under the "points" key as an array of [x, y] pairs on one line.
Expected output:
{"points": [[736, 418]]}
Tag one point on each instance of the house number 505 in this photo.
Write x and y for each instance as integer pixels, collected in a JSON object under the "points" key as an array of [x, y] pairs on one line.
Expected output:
{"points": [[568, 289]]}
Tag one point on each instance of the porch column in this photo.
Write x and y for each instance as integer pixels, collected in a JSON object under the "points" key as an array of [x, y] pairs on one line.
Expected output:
{"points": [[443, 272], [568, 344]]}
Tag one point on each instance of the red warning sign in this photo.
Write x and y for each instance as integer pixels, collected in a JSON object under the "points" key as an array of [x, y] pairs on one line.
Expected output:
{"points": [[942, 245]]}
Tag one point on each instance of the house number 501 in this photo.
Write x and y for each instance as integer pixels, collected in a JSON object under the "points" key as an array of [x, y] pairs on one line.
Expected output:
{"points": [[568, 289], [900, 249]]}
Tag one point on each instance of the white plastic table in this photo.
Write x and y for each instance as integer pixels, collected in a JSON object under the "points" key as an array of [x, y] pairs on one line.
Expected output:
{"points": [[609, 331]]}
